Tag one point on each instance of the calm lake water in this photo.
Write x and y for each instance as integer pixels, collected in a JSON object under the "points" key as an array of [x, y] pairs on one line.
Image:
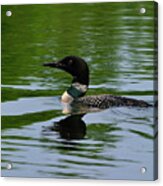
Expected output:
{"points": [[117, 41]]}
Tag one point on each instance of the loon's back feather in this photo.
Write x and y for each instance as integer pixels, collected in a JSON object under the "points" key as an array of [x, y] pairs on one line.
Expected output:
{"points": [[105, 101]]}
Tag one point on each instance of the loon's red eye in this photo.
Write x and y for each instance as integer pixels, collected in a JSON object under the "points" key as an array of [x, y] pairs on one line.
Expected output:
{"points": [[70, 61]]}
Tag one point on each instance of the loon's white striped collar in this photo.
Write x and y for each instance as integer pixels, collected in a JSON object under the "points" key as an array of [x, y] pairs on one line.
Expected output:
{"points": [[75, 91]]}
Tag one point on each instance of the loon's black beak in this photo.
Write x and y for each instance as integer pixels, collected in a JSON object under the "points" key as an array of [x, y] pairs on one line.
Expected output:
{"points": [[53, 64]]}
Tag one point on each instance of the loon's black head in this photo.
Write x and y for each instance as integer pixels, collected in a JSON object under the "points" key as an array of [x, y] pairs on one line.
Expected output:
{"points": [[75, 66]]}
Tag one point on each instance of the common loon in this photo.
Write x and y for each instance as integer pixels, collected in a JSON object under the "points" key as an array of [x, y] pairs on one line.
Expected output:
{"points": [[79, 70]]}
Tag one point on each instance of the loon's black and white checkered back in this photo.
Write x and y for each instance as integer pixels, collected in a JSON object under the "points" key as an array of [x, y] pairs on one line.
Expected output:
{"points": [[106, 101]]}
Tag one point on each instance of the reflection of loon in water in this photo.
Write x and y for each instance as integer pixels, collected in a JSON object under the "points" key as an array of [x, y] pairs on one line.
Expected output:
{"points": [[78, 68], [71, 127]]}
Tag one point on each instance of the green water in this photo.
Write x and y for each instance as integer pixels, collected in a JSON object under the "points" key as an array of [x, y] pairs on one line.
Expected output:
{"points": [[117, 41]]}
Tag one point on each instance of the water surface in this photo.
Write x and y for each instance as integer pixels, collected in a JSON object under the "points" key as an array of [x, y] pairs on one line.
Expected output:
{"points": [[118, 44]]}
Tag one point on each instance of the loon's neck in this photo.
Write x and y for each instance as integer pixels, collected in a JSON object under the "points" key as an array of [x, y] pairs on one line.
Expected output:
{"points": [[75, 91]]}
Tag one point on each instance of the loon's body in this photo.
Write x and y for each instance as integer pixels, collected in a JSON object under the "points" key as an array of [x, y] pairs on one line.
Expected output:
{"points": [[105, 101], [78, 68]]}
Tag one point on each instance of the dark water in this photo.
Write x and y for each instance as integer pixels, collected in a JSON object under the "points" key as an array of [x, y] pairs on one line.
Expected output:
{"points": [[118, 44]]}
